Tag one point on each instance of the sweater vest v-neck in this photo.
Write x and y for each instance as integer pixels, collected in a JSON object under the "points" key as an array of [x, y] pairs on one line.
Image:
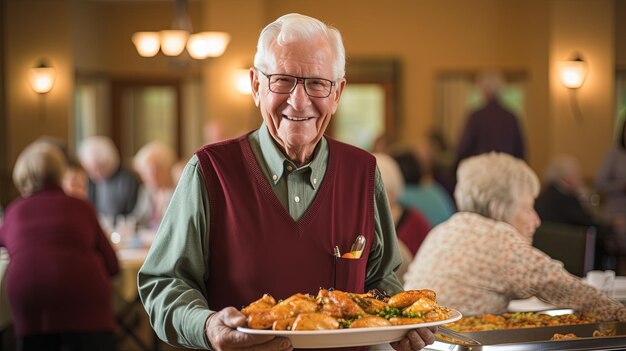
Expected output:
{"points": [[256, 247]]}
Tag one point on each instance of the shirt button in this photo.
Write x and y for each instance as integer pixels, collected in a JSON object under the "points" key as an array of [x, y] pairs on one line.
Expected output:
{"points": [[296, 199], [274, 177], [289, 168], [314, 180]]}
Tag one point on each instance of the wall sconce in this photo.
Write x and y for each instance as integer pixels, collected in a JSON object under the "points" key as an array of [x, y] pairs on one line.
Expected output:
{"points": [[41, 77], [172, 42], [242, 81], [573, 72]]}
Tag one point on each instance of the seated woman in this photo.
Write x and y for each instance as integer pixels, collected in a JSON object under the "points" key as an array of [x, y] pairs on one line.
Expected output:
{"points": [[154, 162], [58, 283], [482, 257], [421, 191]]}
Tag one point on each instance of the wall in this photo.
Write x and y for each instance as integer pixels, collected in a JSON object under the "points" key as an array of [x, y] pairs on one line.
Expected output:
{"points": [[620, 33]]}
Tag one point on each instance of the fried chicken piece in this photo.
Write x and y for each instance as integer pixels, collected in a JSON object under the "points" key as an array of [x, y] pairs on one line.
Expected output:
{"points": [[338, 304], [407, 298], [368, 303], [314, 321], [283, 324], [405, 320], [422, 305], [262, 304], [438, 314], [369, 321], [290, 307]]}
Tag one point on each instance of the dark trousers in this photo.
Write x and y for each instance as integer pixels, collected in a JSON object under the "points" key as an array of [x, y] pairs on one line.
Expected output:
{"points": [[87, 341]]}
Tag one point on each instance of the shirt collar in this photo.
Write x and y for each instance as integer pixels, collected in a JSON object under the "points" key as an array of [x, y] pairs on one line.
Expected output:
{"points": [[277, 162]]}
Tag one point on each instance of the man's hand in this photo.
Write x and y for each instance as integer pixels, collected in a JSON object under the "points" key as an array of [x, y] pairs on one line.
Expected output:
{"points": [[221, 331], [416, 339]]}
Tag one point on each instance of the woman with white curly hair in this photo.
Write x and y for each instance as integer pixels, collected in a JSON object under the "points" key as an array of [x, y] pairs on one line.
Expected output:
{"points": [[482, 257]]}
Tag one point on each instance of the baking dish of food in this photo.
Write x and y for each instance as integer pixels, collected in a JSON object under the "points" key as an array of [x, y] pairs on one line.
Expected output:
{"points": [[544, 335]]}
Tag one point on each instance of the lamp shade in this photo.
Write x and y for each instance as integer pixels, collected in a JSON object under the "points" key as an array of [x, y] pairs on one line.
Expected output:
{"points": [[173, 41], [41, 78], [146, 43], [207, 44], [573, 72]]}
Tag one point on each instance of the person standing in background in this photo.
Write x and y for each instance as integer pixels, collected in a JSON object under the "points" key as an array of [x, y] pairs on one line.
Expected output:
{"points": [[58, 277], [112, 188], [491, 127]]}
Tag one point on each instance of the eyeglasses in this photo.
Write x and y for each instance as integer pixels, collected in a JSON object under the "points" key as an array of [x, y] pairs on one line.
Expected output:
{"points": [[286, 84]]}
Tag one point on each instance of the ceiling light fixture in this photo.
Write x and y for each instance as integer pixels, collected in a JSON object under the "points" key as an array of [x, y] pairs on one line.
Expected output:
{"points": [[172, 42]]}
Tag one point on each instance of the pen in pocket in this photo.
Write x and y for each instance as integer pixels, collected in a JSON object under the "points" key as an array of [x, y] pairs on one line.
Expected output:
{"points": [[357, 248], [336, 255]]}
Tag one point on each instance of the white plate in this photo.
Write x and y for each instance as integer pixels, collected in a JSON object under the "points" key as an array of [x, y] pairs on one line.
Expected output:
{"points": [[318, 339]]}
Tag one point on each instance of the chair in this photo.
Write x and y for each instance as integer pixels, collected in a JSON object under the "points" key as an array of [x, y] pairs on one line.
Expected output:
{"points": [[571, 244]]}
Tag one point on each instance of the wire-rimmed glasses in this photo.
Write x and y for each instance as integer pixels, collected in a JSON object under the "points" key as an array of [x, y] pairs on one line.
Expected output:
{"points": [[286, 84]]}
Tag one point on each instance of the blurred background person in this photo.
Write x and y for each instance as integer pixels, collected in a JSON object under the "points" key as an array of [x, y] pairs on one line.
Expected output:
{"points": [[482, 257], [75, 180], [565, 199], [442, 160], [611, 183], [421, 192], [58, 277], [112, 187], [491, 127], [154, 162], [411, 225]]}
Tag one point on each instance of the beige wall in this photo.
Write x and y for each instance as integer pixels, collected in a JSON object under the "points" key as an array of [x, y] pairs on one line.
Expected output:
{"points": [[429, 37], [620, 33]]}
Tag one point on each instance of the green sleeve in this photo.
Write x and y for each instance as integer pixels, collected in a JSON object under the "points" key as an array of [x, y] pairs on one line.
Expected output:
{"points": [[385, 256], [172, 280]]}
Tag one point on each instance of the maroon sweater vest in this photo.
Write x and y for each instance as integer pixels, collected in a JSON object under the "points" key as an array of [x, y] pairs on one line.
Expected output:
{"points": [[256, 247]]}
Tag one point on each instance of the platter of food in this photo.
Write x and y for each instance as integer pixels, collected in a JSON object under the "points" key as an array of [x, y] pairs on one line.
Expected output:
{"points": [[348, 337], [335, 318]]}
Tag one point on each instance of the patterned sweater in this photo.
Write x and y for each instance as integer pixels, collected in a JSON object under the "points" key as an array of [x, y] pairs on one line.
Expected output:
{"points": [[478, 265]]}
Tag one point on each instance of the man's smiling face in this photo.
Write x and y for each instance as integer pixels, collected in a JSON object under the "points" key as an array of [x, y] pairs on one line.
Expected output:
{"points": [[297, 121]]}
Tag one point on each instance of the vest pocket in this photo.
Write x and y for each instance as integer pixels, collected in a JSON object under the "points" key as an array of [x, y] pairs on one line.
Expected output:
{"points": [[350, 274]]}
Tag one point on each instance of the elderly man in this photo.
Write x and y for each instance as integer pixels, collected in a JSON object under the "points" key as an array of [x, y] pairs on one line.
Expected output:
{"points": [[262, 213]]}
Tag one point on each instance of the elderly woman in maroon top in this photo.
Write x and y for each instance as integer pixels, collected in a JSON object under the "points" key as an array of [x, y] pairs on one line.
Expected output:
{"points": [[58, 281]]}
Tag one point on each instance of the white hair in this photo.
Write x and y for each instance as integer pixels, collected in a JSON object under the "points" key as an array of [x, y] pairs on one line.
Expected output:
{"points": [[491, 184], [101, 150], [560, 167], [156, 152], [391, 175], [40, 164], [295, 27]]}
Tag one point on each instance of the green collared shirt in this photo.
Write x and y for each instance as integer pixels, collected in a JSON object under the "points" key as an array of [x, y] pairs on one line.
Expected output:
{"points": [[172, 280]]}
